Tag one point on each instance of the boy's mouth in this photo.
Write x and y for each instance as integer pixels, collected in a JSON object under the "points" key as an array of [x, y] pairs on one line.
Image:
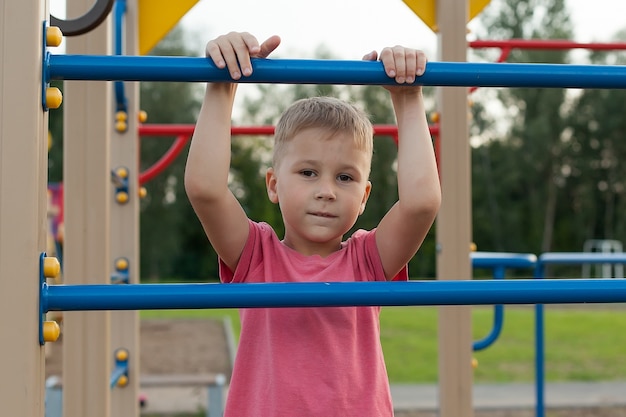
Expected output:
{"points": [[322, 214]]}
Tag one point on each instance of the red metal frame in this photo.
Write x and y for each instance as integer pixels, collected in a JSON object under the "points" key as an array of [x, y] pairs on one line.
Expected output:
{"points": [[547, 44], [184, 131]]}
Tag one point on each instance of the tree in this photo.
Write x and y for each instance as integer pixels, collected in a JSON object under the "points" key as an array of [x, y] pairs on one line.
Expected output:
{"points": [[597, 147], [171, 238], [535, 136]]}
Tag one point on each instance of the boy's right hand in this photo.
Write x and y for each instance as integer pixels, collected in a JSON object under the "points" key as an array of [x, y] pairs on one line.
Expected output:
{"points": [[234, 50]]}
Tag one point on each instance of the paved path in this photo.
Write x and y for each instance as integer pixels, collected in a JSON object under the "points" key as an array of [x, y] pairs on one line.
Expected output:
{"points": [[424, 397], [491, 396]]}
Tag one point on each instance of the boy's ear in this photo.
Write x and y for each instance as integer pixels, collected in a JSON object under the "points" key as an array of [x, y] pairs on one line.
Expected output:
{"points": [[270, 184], [366, 195]]}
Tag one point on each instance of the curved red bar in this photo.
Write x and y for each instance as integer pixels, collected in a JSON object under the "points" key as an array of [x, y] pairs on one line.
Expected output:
{"points": [[165, 161]]}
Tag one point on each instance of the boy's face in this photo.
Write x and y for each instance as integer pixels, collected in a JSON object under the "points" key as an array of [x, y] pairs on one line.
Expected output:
{"points": [[321, 184]]}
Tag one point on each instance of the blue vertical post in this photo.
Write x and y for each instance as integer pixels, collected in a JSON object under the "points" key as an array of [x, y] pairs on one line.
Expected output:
{"points": [[539, 350]]}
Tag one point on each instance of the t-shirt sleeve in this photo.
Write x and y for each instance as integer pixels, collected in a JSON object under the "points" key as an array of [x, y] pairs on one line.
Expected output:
{"points": [[366, 241], [250, 254]]}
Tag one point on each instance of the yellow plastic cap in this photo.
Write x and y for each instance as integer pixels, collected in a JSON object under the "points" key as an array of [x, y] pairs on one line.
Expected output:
{"points": [[473, 247], [51, 267], [143, 192], [121, 197], [121, 126], [142, 116], [51, 331], [121, 115], [54, 36], [435, 117], [121, 264], [123, 381], [54, 98], [474, 363], [121, 172], [121, 355]]}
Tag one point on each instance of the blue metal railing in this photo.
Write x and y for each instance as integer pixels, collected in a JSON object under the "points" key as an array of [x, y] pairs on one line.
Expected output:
{"points": [[306, 71], [499, 262], [556, 258], [330, 294], [119, 10]]}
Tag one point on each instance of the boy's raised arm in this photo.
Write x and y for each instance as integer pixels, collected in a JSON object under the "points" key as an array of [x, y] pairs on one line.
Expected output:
{"points": [[208, 163], [403, 229]]}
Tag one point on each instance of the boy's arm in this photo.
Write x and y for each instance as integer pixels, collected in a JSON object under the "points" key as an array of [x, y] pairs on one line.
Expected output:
{"points": [[403, 229], [208, 163], [206, 176]]}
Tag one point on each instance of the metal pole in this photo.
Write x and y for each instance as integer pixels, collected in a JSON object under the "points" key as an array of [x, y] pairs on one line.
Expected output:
{"points": [[427, 293], [303, 71]]}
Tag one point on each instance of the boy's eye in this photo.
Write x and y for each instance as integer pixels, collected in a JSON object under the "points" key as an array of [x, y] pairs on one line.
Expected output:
{"points": [[307, 173], [344, 177]]}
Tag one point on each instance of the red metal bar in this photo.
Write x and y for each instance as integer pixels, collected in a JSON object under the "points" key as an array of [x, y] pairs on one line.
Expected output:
{"points": [[166, 160], [546, 44], [187, 129], [184, 132]]}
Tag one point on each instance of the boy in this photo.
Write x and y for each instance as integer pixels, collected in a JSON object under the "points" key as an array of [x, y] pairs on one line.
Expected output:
{"points": [[312, 361]]}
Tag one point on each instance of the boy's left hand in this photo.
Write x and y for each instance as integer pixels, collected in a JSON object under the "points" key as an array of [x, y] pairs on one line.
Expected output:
{"points": [[402, 64]]}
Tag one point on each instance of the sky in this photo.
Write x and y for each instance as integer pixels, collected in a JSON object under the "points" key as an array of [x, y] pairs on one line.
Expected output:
{"points": [[350, 28]]}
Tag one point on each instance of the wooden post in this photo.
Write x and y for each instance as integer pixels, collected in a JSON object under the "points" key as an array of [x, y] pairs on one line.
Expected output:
{"points": [[454, 221], [125, 229], [87, 357], [23, 179]]}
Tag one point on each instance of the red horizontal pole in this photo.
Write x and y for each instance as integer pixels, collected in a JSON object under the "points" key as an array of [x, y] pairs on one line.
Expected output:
{"points": [[184, 132], [187, 129], [547, 44]]}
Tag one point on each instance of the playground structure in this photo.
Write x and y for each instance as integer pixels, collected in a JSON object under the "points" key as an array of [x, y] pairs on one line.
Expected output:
{"points": [[23, 213]]}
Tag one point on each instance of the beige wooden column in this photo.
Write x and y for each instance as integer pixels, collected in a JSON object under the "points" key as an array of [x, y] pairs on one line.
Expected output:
{"points": [[87, 360], [23, 178], [124, 242], [454, 220]]}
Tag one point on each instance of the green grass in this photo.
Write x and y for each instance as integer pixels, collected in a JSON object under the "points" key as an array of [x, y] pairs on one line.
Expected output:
{"points": [[582, 344]]}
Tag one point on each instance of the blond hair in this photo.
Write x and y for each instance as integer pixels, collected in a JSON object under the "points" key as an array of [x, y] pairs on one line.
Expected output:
{"points": [[328, 113]]}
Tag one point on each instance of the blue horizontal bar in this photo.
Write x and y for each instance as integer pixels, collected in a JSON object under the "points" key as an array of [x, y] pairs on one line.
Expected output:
{"points": [[578, 258], [303, 71], [427, 293], [502, 259]]}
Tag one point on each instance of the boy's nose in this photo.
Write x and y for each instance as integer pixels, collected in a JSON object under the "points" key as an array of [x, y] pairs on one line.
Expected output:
{"points": [[325, 192]]}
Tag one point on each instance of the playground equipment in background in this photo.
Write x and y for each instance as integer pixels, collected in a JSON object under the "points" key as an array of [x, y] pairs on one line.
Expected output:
{"points": [[603, 270], [499, 262]]}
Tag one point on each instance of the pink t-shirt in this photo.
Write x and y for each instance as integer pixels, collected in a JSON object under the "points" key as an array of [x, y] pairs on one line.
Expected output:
{"points": [[314, 361]]}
